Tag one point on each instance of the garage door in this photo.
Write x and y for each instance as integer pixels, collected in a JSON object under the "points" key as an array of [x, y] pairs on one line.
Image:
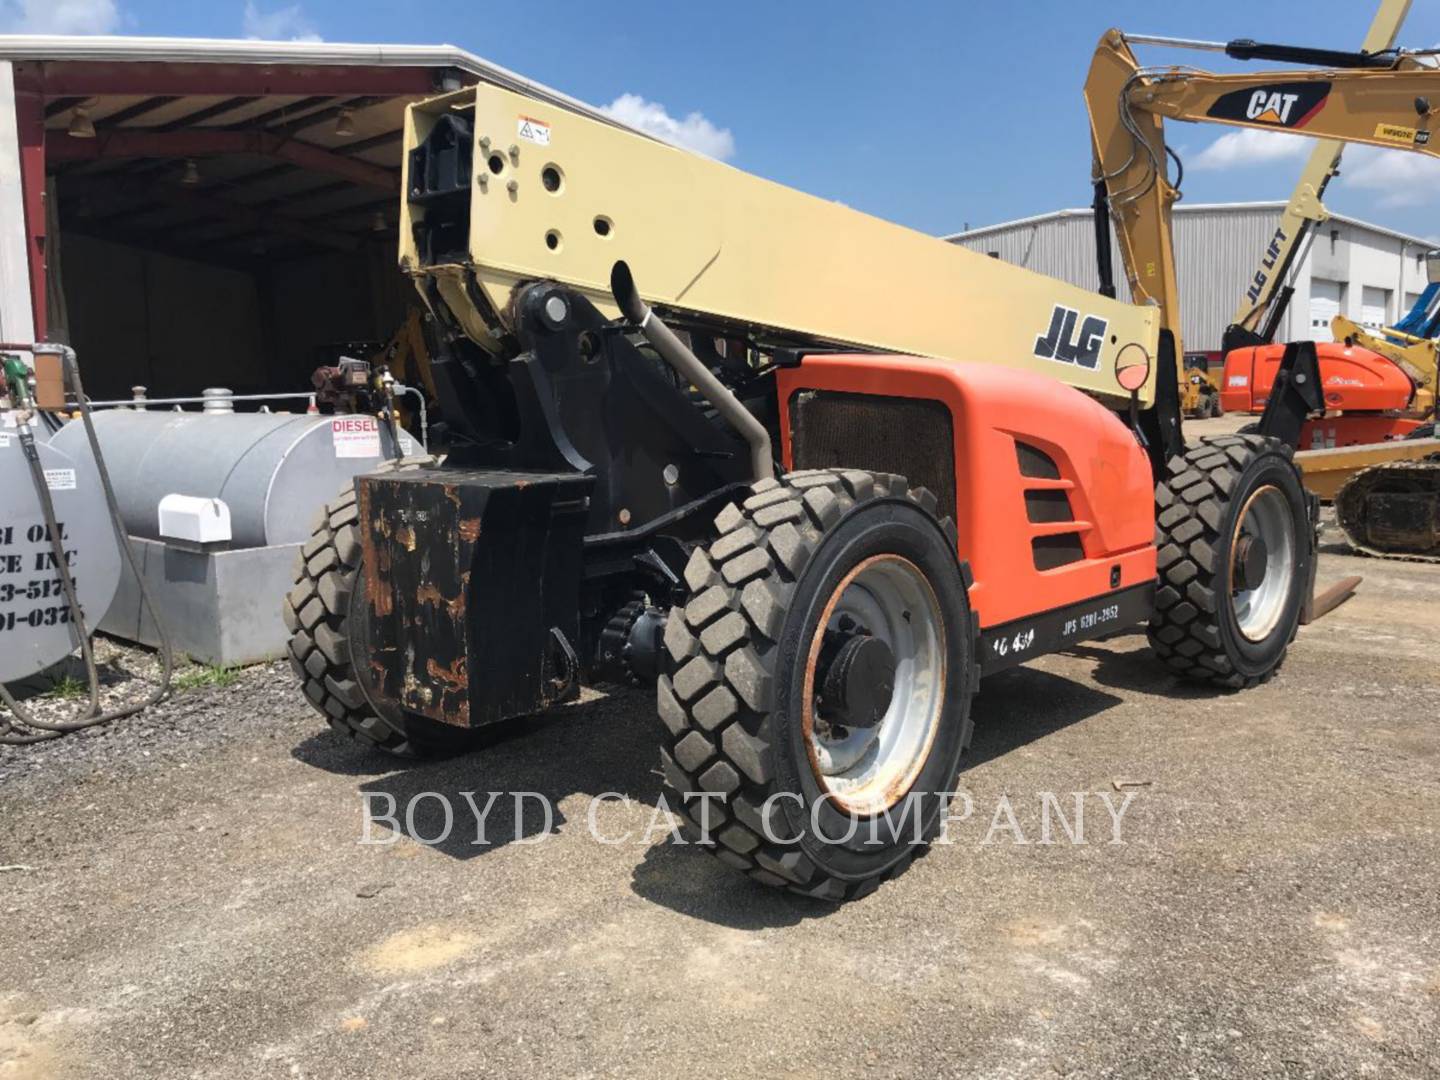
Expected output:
{"points": [[1324, 306], [1374, 307]]}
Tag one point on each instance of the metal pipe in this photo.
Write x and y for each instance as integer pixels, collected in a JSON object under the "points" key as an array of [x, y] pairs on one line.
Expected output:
{"points": [[678, 356], [1174, 43], [400, 391], [132, 402]]}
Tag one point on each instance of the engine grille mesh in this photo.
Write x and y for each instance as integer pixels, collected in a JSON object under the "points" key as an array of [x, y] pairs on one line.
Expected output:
{"points": [[910, 436]]}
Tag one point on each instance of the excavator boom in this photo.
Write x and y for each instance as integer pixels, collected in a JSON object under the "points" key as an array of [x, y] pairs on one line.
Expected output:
{"points": [[1266, 295], [1386, 106]]}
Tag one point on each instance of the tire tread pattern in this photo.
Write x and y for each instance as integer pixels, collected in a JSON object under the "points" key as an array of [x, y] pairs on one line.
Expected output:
{"points": [[1190, 510], [722, 644], [316, 612]]}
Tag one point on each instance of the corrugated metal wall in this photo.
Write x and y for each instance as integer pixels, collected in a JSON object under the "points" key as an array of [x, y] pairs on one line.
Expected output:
{"points": [[1216, 252]]}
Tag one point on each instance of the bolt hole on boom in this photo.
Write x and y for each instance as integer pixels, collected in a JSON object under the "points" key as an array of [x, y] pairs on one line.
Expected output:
{"points": [[553, 179]]}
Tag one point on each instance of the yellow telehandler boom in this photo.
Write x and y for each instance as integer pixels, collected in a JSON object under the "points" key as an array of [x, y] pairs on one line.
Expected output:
{"points": [[555, 197]]}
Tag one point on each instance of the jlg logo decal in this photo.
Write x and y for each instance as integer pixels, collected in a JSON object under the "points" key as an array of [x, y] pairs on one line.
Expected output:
{"points": [[1062, 342], [1287, 105]]}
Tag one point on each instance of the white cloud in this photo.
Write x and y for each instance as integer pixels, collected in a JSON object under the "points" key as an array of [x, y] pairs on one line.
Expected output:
{"points": [[282, 24], [1398, 178], [1250, 146], [694, 132], [59, 16]]}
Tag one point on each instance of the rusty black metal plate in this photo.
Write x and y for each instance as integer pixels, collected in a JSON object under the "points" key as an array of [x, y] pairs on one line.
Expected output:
{"points": [[471, 590]]}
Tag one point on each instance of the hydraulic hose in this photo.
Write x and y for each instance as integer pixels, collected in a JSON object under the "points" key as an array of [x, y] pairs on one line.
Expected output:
{"points": [[91, 717]]}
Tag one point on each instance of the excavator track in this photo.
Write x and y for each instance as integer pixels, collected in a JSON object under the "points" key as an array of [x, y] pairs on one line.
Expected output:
{"points": [[1393, 511]]}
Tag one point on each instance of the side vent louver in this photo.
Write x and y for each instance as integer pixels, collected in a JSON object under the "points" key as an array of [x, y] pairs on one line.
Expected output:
{"points": [[1047, 505]]}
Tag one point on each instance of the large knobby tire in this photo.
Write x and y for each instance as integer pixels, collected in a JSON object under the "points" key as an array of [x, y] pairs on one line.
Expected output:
{"points": [[1211, 623], [317, 613], [740, 759]]}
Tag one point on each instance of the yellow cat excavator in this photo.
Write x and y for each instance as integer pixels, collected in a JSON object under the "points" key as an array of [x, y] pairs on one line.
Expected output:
{"points": [[1381, 98]]}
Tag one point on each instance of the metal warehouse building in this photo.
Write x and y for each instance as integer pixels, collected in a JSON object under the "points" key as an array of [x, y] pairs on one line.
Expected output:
{"points": [[1368, 273]]}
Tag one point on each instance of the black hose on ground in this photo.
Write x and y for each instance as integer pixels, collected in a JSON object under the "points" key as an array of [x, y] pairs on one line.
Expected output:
{"points": [[43, 729]]}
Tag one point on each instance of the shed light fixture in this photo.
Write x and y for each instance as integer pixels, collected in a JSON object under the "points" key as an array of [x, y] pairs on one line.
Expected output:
{"points": [[377, 222], [345, 124], [81, 126], [191, 175]]}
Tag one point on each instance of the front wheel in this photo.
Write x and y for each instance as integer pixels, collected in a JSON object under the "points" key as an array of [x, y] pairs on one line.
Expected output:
{"points": [[823, 670], [1234, 551]]}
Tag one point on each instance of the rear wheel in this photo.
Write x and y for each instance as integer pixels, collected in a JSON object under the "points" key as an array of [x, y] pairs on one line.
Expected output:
{"points": [[324, 639], [823, 669], [1233, 551]]}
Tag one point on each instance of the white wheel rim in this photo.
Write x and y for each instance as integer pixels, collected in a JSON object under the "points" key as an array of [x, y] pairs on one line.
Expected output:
{"points": [[866, 771], [1266, 516]]}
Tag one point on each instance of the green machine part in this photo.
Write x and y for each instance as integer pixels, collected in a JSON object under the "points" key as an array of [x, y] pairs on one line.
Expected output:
{"points": [[17, 379]]}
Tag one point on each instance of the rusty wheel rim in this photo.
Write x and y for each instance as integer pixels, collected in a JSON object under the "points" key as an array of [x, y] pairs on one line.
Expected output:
{"points": [[867, 772]]}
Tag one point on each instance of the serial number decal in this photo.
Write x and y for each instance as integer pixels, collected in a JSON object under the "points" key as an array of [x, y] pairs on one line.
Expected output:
{"points": [[1091, 619]]}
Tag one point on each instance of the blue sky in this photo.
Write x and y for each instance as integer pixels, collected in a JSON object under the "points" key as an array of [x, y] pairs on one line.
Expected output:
{"points": [[930, 114]]}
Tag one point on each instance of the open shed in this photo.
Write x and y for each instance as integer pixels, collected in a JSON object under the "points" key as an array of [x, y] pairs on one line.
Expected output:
{"points": [[193, 213]]}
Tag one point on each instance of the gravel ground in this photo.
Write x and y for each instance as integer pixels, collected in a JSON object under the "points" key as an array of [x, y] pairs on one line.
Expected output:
{"points": [[183, 725], [194, 901]]}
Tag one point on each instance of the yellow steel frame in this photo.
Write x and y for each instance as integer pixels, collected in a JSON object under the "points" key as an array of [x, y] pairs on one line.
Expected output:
{"points": [[710, 241]]}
